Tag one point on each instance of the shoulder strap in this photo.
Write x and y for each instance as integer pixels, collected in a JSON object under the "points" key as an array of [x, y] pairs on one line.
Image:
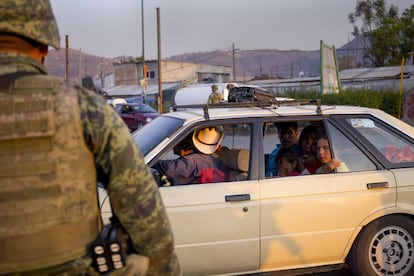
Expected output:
{"points": [[7, 79]]}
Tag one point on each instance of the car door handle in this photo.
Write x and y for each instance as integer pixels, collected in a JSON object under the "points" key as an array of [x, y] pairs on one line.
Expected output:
{"points": [[241, 197], [377, 185]]}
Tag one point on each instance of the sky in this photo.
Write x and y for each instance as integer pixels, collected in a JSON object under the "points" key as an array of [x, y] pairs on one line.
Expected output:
{"points": [[112, 28]]}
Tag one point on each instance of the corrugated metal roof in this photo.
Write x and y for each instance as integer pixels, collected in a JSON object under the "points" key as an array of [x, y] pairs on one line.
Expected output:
{"points": [[376, 73]]}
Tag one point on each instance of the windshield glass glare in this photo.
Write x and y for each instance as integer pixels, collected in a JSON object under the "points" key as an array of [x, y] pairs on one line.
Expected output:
{"points": [[153, 133], [143, 108]]}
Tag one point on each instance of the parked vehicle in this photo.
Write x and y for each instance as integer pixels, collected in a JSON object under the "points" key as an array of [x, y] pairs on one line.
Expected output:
{"points": [[362, 217], [135, 115], [114, 102]]}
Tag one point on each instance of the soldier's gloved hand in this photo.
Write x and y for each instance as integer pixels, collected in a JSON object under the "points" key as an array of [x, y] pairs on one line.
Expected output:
{"points": [[136, 265]]}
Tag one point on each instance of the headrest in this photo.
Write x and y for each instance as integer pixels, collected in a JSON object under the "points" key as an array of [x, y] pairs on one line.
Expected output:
{"points": [[235, 159]]}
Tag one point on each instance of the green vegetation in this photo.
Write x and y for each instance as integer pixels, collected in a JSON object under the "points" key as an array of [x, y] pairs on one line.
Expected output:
{"points": [[388, 36], [386, 100]]}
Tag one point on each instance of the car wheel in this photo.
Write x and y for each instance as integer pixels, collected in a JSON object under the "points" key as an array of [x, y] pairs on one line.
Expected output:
{"points": [[384, 247]]}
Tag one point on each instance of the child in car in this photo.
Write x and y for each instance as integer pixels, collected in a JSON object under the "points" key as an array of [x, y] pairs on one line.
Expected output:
{"points": [[329, 164], [307, 153], [288, 162]]}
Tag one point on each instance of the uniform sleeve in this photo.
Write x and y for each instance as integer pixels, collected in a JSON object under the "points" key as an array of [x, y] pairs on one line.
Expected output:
{"points": [[133, 193]]}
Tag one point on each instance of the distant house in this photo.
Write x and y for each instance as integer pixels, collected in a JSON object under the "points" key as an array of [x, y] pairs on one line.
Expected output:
{"points": [[172, 71], [128, 77], [135, 93]]}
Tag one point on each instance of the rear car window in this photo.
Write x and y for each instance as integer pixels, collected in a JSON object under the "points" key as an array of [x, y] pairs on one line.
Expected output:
{"points": [[392, 146]]}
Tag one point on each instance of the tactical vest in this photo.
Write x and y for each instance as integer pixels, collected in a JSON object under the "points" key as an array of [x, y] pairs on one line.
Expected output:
{"points": [[48, 199]]}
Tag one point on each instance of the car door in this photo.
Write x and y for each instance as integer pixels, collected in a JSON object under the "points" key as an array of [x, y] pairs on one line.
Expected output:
{"points": [[216, 225], [311, 220]]}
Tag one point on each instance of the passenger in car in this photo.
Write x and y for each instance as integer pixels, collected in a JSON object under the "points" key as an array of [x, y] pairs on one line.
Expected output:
{"points": [[324, 155], [185, 147], [307, 153], [196, 163], [288, 162], [288, 136]]}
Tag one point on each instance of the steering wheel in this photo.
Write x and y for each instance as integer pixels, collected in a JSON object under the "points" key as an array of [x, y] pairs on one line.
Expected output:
{"points": [[161, 178]]}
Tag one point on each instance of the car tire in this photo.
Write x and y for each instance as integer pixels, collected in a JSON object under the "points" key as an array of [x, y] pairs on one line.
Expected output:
{"points": [[384, 247]]}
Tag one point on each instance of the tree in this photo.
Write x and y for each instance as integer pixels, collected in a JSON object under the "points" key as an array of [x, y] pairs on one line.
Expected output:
{"points": [[407, 20], [387, 37]]}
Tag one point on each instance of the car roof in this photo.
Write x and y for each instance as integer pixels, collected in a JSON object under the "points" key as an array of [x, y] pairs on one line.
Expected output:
{"points": [[227, 111]]}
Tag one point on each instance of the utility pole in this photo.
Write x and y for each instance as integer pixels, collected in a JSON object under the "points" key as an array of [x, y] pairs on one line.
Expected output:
{"points": [[102, 80], [144, 71], [142, 32], [80, 67], [234, 63], [159, 62], [260, 68], [67, 56]]}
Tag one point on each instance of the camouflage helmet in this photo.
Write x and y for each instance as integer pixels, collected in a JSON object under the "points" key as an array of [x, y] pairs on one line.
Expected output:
{"points": [[31, 19]]}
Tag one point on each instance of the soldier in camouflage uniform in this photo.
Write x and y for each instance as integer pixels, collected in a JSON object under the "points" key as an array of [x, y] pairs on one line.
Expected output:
{"points": [[57, 141], [215, 96]]}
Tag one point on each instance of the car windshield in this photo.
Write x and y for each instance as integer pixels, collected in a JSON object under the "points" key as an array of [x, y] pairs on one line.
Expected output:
{"points": [[144, 108], [153, 133]]}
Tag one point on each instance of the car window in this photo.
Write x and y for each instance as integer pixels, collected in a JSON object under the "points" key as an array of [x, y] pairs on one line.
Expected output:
{"points": [[270, 138], [237, 136], [118, 108], [392, 146], [143, 108], [152, 134], [306, 162], [125, 109], [271, 135], [342, 149], [351, 157], [234, 151]]}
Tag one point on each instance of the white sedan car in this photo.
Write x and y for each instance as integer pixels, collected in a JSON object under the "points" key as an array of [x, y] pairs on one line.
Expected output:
{"points": [[362, 217]]}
